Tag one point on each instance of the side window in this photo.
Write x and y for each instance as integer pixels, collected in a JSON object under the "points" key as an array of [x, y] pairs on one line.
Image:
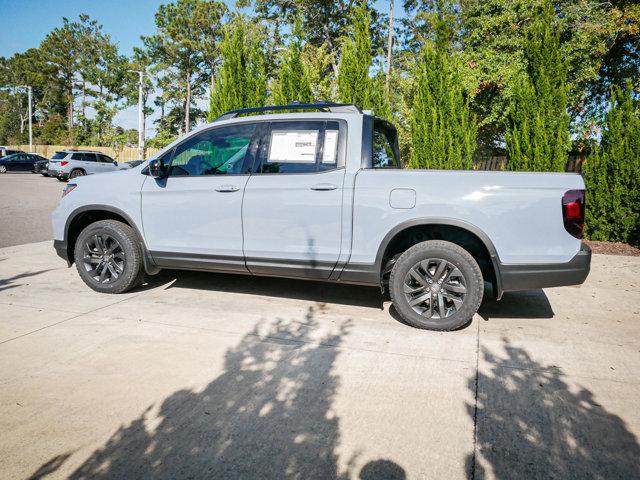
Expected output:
{"points": [[300, 147], [104, 159], [218, 151], [385, 146], [89, 157], [77, 156]]}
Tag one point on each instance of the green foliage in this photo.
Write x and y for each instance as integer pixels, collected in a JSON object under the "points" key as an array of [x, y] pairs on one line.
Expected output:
{"points": [[293, 81], [241, 81], [354, 84], [537, 130], [185, 49], [443, 131], [612, 174]]}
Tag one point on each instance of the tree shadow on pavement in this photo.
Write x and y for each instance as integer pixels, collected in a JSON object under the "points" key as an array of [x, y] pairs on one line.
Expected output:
{"points": [[268, 415], [300, 289], [10, 282], [532, 424]]}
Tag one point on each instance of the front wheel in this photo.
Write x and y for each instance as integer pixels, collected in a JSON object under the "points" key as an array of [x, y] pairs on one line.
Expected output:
{"points": [[108, 257], [436, 285], [3, 169]]}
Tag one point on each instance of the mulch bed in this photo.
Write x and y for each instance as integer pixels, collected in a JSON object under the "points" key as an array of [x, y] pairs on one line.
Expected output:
{"points": [[613, 248]]}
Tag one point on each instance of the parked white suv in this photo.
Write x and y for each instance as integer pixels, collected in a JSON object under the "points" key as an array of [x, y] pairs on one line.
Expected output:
{"points": [[75, 163]]}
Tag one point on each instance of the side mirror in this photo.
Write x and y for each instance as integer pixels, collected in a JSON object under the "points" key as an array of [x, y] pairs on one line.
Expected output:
{"points": [[157, 169], [115, 163]]}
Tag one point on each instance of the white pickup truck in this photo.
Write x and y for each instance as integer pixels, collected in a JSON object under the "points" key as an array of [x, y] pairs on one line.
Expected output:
{"points": [[320, 194]]}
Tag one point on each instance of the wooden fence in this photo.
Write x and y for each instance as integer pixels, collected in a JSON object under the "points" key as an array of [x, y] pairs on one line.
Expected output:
{"points": [[574, 164], [122, 155]]}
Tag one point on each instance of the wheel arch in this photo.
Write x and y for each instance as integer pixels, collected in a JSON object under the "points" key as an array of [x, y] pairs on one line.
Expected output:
{"points": [[83, 216], [466, 235]]}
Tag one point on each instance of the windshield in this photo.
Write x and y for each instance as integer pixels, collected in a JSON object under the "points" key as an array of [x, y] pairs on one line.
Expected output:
{"points": [[58, 156]]}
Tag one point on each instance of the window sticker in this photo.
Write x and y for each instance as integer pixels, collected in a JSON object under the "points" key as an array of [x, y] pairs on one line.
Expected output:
{"points": [[330, 154], [293, 146]]}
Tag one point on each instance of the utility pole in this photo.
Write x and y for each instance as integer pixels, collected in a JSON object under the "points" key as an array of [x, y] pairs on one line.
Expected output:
{"points": [[389, 43]]}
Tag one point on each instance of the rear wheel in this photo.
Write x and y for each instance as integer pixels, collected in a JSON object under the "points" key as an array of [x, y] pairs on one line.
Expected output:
{"points": [[108, 257], [76, 173], [436, 285]]}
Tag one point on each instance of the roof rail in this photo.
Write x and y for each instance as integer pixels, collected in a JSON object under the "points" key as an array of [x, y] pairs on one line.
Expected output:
{"points": [[325, 106]]}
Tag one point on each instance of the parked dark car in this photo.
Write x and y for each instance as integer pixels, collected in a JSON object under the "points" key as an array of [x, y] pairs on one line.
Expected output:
{"points": [[19, 162], [41, 166]]}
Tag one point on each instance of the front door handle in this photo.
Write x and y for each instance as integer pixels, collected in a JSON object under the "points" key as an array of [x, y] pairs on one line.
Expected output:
{"points": [[324, 186], [227, 188]]}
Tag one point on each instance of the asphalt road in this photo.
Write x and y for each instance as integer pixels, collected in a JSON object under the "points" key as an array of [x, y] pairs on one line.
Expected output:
{"points": [[27, 202], [197, 375]]}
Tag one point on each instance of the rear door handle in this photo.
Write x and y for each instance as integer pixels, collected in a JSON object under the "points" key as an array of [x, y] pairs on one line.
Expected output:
{"points": [[324, 186], [227, 188]]}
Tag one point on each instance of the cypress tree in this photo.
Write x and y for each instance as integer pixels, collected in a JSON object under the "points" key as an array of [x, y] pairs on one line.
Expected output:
{"points": [[443, 131], [241, 81], [612, 174], [293, 82], [537, 125], [354, 84]]}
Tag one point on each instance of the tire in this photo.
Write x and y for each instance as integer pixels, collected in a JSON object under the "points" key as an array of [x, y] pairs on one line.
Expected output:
{"points": [[76, 173], [453, 291], [3, 169], [126, 258]]}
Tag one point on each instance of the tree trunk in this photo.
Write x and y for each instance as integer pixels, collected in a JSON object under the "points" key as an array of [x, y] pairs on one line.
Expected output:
{"points": [[187, 104], [389, 44]]}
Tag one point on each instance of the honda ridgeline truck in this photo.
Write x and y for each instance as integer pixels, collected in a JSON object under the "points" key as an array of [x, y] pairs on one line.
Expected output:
{"points": [[320, 194]]}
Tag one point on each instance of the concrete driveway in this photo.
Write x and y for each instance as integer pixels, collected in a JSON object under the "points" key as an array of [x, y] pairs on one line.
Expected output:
{"points": [[212, 376]]}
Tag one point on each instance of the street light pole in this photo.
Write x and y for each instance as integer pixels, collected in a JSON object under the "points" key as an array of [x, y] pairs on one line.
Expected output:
{"points": [[29, 91], [141, 74], [140, 119]]}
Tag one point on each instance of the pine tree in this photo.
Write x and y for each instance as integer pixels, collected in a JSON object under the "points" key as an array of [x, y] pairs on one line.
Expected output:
{"points": [[293, 82], [241, 81], [537, 125], [354, 84], [612, 174], [443, 131]]}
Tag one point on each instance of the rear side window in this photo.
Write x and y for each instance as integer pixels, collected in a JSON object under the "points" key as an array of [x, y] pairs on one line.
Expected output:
{"points": [[385, 151], [218, 151], [300, 147], [58, 156]]}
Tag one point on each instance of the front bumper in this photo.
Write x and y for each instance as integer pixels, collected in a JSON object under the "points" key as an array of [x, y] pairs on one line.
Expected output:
{"points": [[534, 276]]}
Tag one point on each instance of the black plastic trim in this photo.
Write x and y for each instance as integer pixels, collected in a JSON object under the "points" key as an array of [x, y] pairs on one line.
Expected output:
{"points": [[311, 269], [517, 277], [61, 250], [195, 261]]}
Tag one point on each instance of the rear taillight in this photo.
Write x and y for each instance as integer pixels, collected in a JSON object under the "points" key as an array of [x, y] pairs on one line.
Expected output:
{"points": [[62, 164], [573, 212]]}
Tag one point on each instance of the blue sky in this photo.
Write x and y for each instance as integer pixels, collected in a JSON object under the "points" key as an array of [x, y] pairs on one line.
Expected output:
{"points": [[26, 22]]}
